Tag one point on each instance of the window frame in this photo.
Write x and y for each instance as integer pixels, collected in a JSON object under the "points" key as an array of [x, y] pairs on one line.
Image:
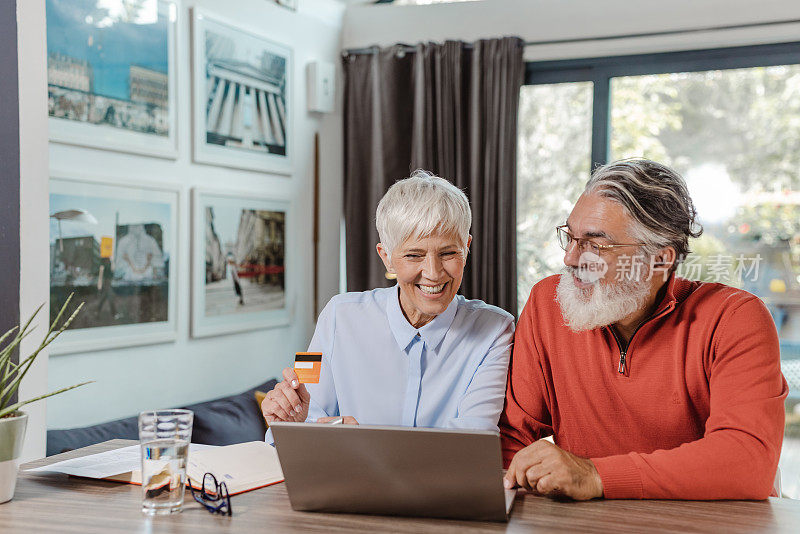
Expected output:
{"points": [[600, 70]]}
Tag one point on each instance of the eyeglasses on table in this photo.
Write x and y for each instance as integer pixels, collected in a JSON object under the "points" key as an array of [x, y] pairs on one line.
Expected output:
{"points": [[213, 495]]}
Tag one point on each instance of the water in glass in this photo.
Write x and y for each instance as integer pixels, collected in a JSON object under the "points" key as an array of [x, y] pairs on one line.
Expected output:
{"points": [[164, 438]]}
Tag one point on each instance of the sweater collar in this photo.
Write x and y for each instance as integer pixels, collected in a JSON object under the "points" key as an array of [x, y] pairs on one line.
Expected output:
{"points": [[677, 291]]}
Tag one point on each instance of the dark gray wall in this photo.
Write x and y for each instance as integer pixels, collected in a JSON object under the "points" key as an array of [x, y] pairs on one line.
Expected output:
{"points": [[9, 167]]}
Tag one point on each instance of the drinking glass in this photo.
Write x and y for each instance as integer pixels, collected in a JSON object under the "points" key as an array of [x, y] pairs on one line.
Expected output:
{"points": [[164, 437]]}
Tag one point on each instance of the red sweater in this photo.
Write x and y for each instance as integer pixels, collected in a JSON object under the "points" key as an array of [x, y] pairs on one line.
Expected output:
{"points": [[698, 413]]}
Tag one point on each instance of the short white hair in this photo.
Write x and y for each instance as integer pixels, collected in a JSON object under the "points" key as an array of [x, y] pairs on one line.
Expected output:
{"points": [[420, 206]]}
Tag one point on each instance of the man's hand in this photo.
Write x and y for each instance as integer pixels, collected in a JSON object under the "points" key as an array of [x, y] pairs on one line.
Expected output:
{"points": [[346, 420], [288, 401], [546, 469]]}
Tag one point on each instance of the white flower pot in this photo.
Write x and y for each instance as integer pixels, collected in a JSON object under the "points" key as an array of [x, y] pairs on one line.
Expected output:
{"points": [[12, 435]]}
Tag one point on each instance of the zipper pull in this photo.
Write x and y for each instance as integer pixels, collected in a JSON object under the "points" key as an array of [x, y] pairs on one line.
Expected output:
{"points": [[621, 368]]}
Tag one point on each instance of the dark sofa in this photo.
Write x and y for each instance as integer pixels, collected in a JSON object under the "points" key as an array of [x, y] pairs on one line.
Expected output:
{"points": [[223, 421]]}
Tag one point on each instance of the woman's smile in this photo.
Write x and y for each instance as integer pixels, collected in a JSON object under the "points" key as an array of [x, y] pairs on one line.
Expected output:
{"points": [[432, 290]]}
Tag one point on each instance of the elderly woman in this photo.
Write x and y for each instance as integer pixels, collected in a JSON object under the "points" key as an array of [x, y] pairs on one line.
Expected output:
{"points": [[416, 354]]}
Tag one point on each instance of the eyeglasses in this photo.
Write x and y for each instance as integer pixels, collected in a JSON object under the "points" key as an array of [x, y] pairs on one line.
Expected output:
{"points": [[565, 239], [213, 496]]}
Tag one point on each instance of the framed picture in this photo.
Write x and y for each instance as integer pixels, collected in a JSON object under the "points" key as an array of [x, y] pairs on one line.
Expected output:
{"points": [[111, 75], [242, 107], [241, 269], [113, 247]]}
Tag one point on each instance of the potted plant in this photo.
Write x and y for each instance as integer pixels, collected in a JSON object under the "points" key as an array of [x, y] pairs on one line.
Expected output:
{"points": [[13, 421]]}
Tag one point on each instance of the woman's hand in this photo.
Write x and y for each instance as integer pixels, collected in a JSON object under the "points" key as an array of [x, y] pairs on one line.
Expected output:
{"points": [[288, 401]]}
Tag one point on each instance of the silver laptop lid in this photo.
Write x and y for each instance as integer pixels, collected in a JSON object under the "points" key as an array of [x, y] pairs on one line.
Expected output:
{"points": [[392, 470]]}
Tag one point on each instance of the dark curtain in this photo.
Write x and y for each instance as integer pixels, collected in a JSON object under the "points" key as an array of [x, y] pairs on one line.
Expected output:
{"points": [[448, 108]]}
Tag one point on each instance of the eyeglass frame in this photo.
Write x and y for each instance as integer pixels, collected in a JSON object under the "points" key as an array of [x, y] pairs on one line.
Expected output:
{"points": [[581, 240], [221, 494]]}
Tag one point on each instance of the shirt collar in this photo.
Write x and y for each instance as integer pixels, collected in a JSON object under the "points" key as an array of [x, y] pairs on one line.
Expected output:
{"points": [[432, 333]]}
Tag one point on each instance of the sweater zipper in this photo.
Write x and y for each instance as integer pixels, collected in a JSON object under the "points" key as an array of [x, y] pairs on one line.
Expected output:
{"points": [[623, 353]]}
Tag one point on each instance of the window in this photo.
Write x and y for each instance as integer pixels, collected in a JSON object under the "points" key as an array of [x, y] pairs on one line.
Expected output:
{"points": [[729, 121], [554, 147]]}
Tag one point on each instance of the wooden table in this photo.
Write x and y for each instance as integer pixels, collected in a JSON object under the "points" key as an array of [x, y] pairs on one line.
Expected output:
{"points": [[58, 503]]}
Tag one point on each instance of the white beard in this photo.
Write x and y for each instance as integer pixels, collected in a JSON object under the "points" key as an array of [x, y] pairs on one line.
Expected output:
{"points": [[601, 305]]}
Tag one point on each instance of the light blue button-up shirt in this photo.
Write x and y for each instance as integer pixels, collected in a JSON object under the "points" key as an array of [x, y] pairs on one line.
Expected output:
{"points": [[381, 370]]}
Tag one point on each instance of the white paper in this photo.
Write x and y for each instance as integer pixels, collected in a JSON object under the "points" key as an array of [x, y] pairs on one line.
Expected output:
{"points": [[104, 464]]}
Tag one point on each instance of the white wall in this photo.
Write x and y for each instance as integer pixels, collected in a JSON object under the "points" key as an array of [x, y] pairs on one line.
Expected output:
{"points": [[547, 20], [34, 227], [188, 370]]}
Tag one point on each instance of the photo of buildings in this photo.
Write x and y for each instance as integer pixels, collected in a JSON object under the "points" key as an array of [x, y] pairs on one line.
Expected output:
{"points": [[114, 255], [107, 64], [245, 80], [244, 260]]}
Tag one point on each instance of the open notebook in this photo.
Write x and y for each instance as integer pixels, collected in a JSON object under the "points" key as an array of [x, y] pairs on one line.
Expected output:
{"points": [[243, 467]]}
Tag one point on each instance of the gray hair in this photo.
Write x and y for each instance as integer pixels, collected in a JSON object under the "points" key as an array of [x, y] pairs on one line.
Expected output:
{"points": [[655, 197], [419, 206]]}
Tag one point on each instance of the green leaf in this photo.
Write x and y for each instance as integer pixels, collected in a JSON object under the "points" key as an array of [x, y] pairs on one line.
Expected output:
{"points": [[11, 374]]}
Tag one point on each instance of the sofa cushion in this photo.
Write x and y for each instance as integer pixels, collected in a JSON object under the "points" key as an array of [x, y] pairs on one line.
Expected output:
{"points": [[234, 419], [75, 438], [223, 421]]}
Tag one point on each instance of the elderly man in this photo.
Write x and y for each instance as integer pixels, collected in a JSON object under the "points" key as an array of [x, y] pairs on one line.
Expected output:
{"points": [[652, 386], [416, 354]]}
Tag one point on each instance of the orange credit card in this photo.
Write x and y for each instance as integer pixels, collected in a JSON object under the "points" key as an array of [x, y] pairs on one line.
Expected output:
{"points": [[307, 366]]}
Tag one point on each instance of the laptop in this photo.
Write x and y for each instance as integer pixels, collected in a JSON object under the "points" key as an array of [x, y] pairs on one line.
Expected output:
{"points": [[424, 472]]}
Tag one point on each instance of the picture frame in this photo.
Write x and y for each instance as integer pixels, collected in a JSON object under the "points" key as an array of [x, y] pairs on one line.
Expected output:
{"points": [[243, 114], [254, 234], [126, 103], [114, 244]]}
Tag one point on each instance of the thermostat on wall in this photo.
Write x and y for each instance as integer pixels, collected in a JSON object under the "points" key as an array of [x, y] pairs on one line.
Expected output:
{"points": [[320, 77]]}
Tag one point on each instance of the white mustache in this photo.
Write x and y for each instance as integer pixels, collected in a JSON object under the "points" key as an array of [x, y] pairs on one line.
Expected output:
{"points": [[583, 277]]}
